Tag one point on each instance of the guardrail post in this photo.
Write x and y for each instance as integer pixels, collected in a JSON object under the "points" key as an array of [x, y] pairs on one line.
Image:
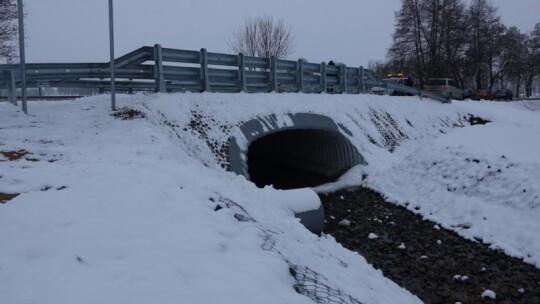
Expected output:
{"points": [[343, 78], [300, 75], [242, 73], [101, 89], [273, 75], [130, 86], [205, 78], [11, 89], [158, 69], [323, 77], [361, 87]]}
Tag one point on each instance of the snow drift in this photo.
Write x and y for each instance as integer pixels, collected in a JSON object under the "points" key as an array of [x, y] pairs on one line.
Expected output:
{"points": [[137, 207]]}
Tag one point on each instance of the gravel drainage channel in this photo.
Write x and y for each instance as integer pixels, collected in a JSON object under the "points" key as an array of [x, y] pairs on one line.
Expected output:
{"points": [[433, 263]]}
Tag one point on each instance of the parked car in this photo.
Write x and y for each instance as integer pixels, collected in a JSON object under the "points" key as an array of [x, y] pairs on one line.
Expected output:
{"points": [[467, 93], [483, 94], [444, 86], [377, 90], [504, 94], [397, 81]]}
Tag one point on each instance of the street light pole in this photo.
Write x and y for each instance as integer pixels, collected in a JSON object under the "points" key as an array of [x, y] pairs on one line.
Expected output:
{"points": [[111, 42], [22, 60]]}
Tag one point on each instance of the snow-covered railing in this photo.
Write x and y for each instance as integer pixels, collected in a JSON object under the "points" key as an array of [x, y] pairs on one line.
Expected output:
{"points": [[172, 70]]}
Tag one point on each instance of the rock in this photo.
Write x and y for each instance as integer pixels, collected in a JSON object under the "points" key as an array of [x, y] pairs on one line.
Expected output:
{"points": [[427, 267]]}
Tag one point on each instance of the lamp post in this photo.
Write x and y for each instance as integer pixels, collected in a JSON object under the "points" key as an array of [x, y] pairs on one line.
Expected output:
{"points": [[22, 60], [111, 42]]}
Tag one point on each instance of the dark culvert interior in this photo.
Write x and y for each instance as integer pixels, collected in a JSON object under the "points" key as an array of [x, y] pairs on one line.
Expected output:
{"points": [[299, 158]]}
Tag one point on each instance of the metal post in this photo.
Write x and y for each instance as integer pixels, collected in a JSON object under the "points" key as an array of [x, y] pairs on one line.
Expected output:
{"points": [[205, 81], [343, 78], [158, 72], [273, 73], [111, 43], [361, 87], [242, 73], [300, 75], [323, 77], [12, 89], [22, 56]]}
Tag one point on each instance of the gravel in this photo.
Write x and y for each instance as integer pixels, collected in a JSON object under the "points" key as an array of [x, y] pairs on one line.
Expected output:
{"points": [[431, 262]]}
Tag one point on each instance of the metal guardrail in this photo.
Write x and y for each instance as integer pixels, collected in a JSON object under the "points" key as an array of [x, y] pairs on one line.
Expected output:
{"points": [[48, 98], [171, 70], [415, 91]]}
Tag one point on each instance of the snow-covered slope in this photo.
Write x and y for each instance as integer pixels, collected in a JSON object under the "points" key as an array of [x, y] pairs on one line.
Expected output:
{"points": [[140, 210]]}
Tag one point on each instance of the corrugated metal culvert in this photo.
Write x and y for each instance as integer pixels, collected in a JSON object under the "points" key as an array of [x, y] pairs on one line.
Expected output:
{"points": [[302, 150]]}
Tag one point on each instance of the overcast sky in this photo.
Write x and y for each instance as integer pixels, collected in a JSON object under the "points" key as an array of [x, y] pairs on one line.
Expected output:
{"points": [[350, 31]]}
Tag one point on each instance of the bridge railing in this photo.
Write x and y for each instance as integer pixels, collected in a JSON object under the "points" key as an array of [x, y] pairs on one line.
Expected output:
{"points": [[172, 70], [415, 91]]}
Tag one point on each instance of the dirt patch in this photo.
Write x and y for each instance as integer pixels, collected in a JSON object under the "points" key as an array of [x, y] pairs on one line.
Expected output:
{"points": [[14, 155], [128, 114], [6, 197], [433, 263], [17, 155], [475, 120]]}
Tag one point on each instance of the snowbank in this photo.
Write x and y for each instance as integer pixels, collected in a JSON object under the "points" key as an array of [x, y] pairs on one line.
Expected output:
{"points": [[140, 210]]}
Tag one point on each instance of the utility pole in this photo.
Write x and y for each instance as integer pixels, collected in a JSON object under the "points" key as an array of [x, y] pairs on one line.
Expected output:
{"points": [[22, 60], [111, 42]]}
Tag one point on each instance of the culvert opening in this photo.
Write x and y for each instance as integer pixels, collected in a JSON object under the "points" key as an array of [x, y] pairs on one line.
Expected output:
{"points": [[297, 158]]}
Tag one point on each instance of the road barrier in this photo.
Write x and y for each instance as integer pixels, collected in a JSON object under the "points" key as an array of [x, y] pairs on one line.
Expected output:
{"points": [[160, 69]]}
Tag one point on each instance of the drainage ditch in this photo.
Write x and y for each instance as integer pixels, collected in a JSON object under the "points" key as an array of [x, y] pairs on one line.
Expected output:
{"points": [[433, 263]]}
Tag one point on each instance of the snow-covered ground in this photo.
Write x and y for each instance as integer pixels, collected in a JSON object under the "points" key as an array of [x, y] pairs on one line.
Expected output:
{"points": [[140, 210]]}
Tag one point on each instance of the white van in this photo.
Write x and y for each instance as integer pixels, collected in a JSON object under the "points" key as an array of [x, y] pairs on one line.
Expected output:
{"points": [[444, 86]]}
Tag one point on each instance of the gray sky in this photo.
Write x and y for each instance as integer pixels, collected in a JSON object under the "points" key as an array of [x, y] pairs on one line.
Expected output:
{"points": [[350, 31]]}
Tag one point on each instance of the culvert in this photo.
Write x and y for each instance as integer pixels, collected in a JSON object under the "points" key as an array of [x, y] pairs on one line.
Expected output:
{"points": [[293, 151], [298, 158]]}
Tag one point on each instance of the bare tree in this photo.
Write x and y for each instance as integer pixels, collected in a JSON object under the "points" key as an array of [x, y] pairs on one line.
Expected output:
{"points": [[429, 38], [533, 60], [379, 68], [465, 40], [263, 37], [408, 46], [486, 28], [454, 29], [8, 29], [511, 59]]}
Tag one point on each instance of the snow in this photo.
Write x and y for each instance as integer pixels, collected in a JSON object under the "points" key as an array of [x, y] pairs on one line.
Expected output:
{"points": [[482, 181], [344, 222], [489, 294], [459, 277], [140, 210], [372, 236], [298, 200]]}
